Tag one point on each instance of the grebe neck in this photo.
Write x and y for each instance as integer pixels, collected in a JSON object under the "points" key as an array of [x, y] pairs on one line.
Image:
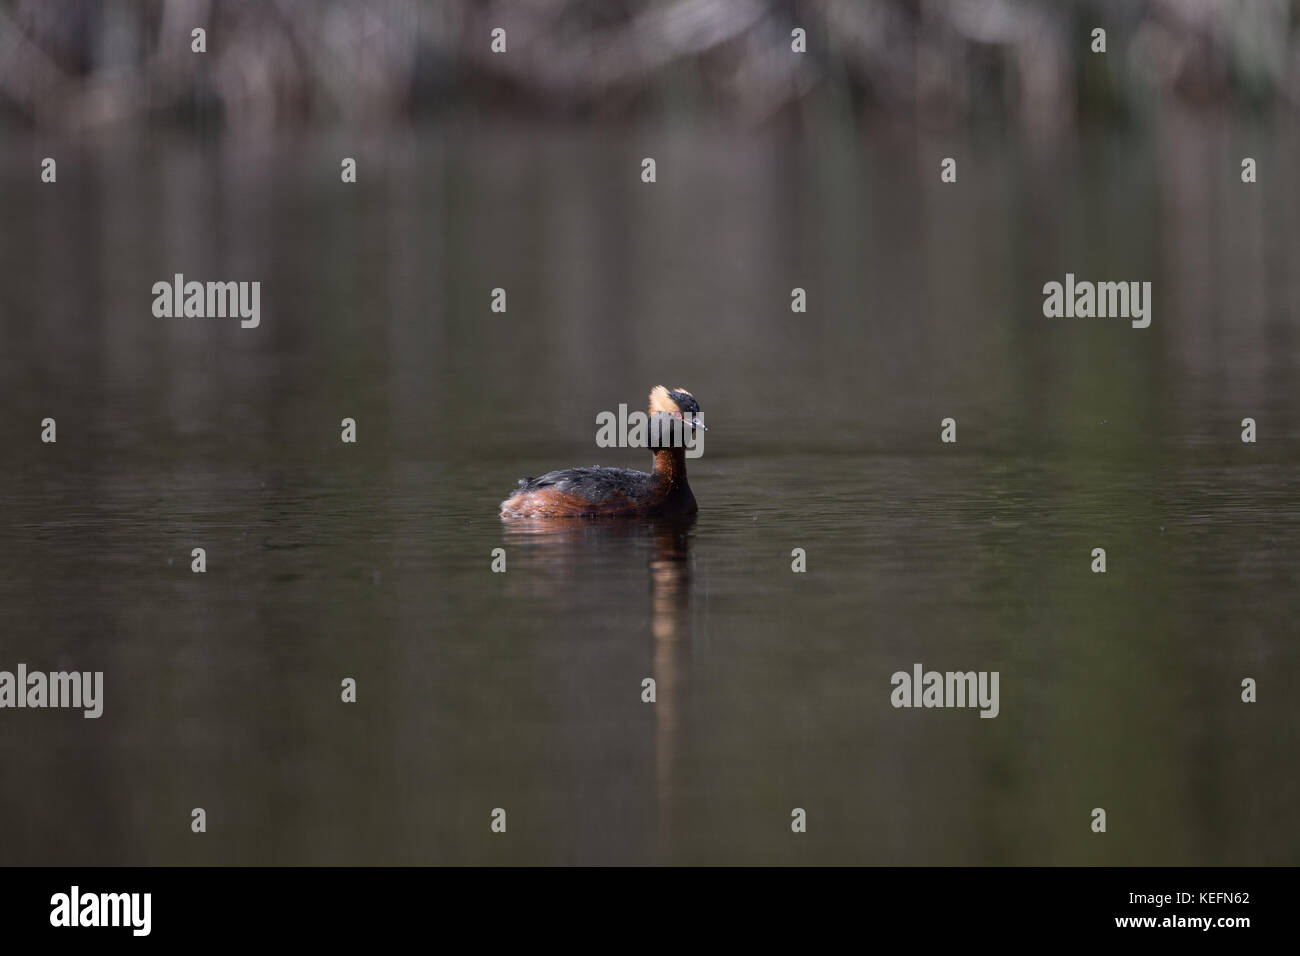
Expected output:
{"points": [[670, 466]]}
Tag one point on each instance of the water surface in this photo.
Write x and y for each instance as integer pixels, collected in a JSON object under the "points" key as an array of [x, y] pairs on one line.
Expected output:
{"points": [[522, 690]]}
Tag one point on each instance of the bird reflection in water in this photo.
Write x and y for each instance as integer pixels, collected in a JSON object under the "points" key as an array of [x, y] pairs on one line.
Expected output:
{"points": [[568, 543]]}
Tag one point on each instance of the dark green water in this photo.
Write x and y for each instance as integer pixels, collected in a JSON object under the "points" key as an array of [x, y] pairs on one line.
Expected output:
{"points": [[522, 690]]}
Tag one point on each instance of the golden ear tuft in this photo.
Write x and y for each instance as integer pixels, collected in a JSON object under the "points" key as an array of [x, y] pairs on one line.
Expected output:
{"points": [[660, 402]]}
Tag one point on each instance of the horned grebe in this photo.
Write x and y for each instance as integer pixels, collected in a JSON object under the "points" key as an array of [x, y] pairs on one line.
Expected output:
{"points": [[620, 491]]}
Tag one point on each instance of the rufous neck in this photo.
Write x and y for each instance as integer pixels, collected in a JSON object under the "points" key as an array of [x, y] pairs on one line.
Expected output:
{"points": [[670, 465]]}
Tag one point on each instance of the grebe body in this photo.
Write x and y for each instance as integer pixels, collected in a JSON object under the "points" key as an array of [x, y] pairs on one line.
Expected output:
{"points": [[598, 491]]}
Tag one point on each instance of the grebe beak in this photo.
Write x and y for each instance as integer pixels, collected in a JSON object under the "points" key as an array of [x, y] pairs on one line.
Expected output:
{"points": [[693, 422]]}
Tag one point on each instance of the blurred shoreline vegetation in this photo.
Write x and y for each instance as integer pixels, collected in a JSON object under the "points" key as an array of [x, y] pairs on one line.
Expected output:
{"points": [[276, 65]]}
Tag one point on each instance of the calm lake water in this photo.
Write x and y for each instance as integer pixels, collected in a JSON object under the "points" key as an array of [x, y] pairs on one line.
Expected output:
{"points": [[522, 690]]}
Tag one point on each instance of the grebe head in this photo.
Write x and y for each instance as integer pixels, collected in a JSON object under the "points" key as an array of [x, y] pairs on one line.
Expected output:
{"points": [[678, 403]]}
